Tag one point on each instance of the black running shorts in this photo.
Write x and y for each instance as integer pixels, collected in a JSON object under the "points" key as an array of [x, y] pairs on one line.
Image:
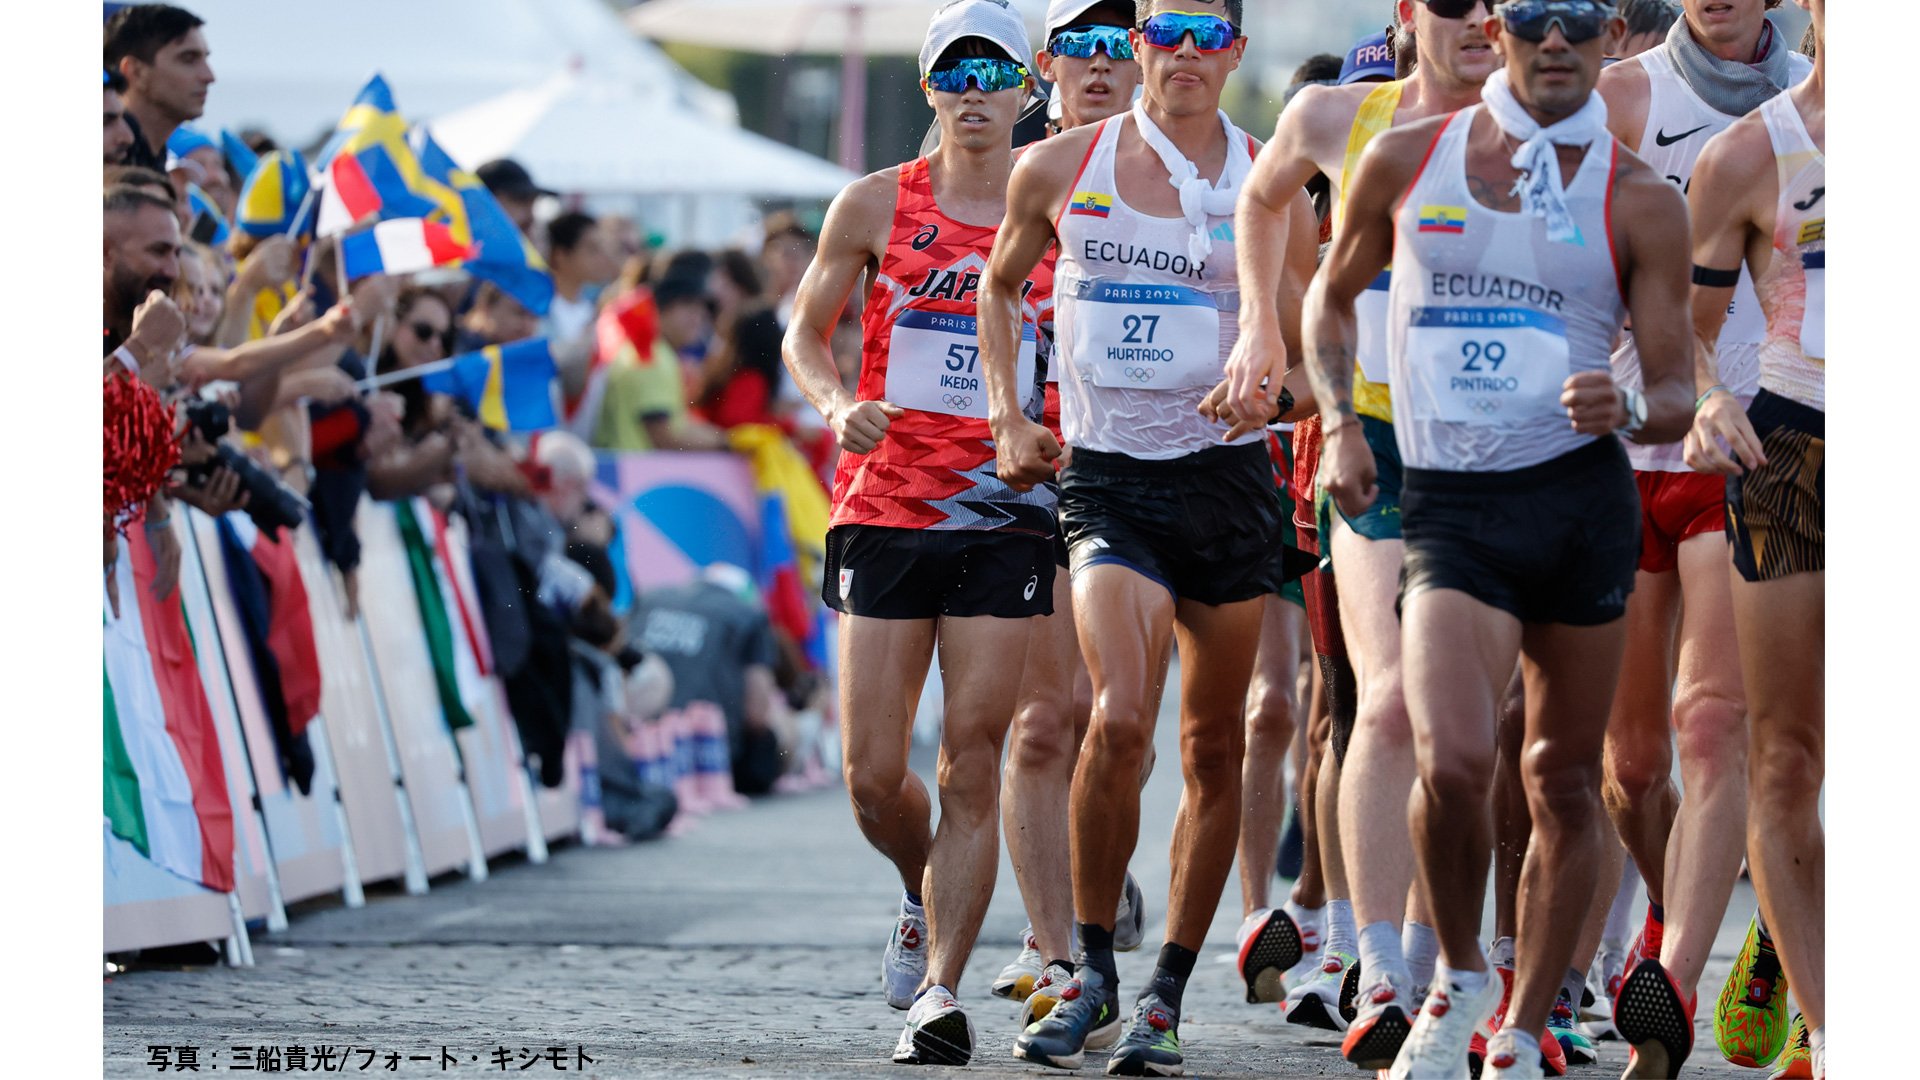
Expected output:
{"points": [[1206, 526], [1556, 542], [890, 573], [1777, 513]]}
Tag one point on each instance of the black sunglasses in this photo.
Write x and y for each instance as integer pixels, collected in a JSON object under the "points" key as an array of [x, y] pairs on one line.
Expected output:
{"points": [[1456, 9], [425, 332]]}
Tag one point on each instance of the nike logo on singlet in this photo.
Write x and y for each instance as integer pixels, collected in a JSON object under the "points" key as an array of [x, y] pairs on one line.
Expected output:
{"points": [[1664, 139]]}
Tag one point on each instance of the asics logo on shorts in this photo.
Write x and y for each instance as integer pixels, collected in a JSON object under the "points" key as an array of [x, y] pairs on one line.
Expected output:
{"points": [[1032, 584], [957, 401], [1138, 374]]}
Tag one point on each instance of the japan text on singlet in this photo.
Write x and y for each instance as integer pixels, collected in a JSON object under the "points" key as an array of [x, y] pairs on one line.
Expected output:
{"points": [[1678, 126], [1143, 332], [921, 351], [1488, 317], [1793, 290]]}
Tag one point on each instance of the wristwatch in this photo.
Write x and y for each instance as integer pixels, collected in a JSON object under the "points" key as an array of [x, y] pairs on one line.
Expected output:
{"points": [[1635, 404]]}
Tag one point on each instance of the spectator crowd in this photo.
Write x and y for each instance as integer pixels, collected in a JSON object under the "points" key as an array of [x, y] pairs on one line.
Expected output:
{"points": [[246, 374]]}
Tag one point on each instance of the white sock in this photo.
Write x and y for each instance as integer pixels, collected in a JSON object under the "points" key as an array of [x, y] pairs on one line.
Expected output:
{"points": [[1341, 936], [1619, 930], [1526, 1046], [1464, 982], [1501, 955], [1817, 1043], [1421, 946], [908, 907], [1311, 921], [1571, 986], [1380, 954]]}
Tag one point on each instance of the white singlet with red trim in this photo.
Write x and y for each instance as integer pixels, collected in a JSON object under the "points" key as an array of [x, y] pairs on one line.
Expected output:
{"points": [[1487, 317], [1679, 123]]}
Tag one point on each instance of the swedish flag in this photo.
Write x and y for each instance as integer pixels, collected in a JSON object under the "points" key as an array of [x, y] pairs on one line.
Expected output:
{"points": [[374, 134], [464, 204], [273, 193], [509, 386]]}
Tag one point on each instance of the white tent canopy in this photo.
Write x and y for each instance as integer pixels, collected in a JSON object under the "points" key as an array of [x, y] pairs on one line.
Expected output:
{"points": [[884, 27], [292, 68], [595, 135]]}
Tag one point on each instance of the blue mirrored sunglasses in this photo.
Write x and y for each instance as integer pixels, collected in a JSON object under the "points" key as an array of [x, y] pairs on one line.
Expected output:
{"points": [[1533, 20], [988, 73], [1211, 33], [1081, 42]]}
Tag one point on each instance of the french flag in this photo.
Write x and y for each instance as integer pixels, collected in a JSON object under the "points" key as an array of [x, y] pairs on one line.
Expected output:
{"points": [[402, 246], [347, 195]]}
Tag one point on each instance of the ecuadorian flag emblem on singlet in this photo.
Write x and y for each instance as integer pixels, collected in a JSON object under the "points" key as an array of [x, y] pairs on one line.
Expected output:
{"points": [[1091, 203], [1443, 219]]}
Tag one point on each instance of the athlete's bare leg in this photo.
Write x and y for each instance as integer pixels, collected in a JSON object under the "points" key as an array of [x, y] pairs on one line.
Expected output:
{"points": [[1639, 760], [1512, 824], [1460, 656], [1134, 621], [1379, 768], [1269, 739], [1783, 636], [883, 665], [1570, 673], [1217, 646], [981, 660], [1039, 774], [1710, 721], [1310, 890]]}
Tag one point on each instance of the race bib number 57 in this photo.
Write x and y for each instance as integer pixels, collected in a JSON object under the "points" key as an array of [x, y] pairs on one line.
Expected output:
{"points": [[1485, 365], [933, 364]]}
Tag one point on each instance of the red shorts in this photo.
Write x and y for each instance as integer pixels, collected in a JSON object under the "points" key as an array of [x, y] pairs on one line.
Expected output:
{"points": [[1306, 467], [1674, 508]]}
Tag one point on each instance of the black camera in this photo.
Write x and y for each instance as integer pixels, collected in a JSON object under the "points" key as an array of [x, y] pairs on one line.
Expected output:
{"points": [[271, 504]]}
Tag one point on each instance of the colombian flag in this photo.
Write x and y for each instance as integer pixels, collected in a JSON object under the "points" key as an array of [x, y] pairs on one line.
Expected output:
{"points": [[1443, 219], [1091, 203], [509, 386]]}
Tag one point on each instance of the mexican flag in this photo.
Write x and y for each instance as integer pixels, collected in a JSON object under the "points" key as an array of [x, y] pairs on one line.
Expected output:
{"points": [[165, 786]]}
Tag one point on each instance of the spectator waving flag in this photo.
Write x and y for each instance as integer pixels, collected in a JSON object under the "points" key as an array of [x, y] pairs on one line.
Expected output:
{"points": [[509, 386], [238, 154], [406, 246], [367, 169], [502, 256]]}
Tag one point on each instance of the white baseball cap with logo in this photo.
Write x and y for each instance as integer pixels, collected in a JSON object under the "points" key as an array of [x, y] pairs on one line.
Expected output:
{"points": [[994, 20], [1064, 13]]}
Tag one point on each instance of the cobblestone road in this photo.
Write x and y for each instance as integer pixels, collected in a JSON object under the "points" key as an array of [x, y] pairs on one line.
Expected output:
{"points": [[749, 947]]}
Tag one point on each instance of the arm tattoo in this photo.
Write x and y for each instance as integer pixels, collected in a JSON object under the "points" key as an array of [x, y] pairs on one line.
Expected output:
{"points": [[1330, 363]]}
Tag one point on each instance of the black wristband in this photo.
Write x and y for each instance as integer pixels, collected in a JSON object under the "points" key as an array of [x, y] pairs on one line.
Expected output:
{"points": [[1715, 279], [1285, 403]]}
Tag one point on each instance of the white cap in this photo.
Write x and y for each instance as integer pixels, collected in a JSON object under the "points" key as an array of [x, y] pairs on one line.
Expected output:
{"points": [[1065, 13], [993, 20]]}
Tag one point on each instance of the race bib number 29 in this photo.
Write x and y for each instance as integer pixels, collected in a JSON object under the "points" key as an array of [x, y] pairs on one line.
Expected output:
{"points": [[1485, 365], [934, 364]]}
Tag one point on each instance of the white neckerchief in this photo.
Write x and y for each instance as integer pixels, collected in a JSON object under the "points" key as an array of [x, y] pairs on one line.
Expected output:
{"points": [[1198, 198], [1539, 185]]}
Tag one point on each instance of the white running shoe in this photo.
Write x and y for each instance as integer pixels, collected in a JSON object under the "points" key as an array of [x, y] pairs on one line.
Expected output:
{"points": [[1315, 1001], [937, 1032], [904, 963], [1017, 978], [1508, 1061], [1045, 995], [1312, 939], [1130, 921], [1436, 1048]]}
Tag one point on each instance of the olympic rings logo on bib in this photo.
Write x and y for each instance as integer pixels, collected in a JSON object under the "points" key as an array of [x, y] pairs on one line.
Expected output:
{"points": [[957, 402], [1139, 374]]}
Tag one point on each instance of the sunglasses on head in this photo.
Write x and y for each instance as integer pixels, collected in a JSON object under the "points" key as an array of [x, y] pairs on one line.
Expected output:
{"points": [[1081, 41], [1456, 9], [1211, 33], [987, 73], [1533, 20]]}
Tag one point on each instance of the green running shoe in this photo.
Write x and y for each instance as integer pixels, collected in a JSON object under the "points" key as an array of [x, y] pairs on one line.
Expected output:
{"points": [[1087, 1015], [1151, 1046], [1750, 1020]]}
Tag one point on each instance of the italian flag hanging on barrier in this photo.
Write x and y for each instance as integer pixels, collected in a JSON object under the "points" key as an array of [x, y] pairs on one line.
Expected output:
{"points": [[165, 784]]}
